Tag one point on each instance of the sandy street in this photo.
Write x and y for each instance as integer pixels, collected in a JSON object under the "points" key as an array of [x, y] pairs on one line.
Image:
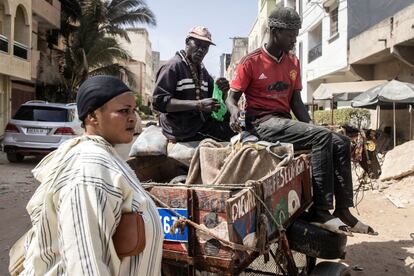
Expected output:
{"points": [[390, 253], [16, 187]]}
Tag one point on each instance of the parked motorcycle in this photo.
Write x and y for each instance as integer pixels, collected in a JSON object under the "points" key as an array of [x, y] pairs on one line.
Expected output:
{"points": [[363, 148]]}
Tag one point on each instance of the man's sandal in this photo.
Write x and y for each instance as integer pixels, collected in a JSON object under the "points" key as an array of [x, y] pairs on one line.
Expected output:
{"points": [[335, 225], [362, 228]]}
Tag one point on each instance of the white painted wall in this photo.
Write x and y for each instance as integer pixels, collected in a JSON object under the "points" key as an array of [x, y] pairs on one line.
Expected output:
{"points": [[334, 50], [259, 31]]}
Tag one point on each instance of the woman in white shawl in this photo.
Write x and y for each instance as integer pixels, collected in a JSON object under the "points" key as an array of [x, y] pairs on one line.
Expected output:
{"points": [[85, 187]]}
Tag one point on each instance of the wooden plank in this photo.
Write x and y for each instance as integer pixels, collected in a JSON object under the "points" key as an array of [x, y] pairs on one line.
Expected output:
{"points": [[207, 199], [283, 176], [174, 197], [284, 191], [232, 215]]}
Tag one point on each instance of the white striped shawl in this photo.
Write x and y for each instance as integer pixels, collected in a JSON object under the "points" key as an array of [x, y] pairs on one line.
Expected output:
{"points": [[84, 188]]}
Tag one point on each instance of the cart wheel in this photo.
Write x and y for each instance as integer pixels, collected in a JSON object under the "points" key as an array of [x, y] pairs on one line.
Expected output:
{"points": [[14, 157], [331, 269], [178, 179]]}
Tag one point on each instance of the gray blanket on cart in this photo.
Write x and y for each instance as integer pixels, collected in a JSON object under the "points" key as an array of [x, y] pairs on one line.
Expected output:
{"points": [[214, 163]]}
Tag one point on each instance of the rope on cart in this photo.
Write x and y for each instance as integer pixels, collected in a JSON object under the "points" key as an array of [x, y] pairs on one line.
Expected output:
{"points": [[279, 227], [178, 223], [197, 226], [281, 239]]}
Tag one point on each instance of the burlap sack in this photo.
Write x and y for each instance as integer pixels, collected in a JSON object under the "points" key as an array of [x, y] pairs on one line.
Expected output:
{"points": [[214, 163]]}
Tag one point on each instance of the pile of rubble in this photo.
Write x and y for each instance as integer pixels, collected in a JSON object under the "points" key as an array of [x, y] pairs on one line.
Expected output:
{"points": [[398, 175]]}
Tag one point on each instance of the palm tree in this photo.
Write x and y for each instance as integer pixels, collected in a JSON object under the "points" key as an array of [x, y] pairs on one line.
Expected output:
{"points": [[90, 29]]}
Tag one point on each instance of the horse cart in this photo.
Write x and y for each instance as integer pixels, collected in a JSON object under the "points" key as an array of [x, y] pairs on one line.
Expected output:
{"points": [[258, 227]]}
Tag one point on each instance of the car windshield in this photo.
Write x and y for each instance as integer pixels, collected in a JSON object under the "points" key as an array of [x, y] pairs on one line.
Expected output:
{"points": [[42, 114]]}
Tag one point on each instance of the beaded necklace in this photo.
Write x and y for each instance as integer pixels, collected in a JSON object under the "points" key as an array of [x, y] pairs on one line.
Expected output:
{"points": [[197, 78]]}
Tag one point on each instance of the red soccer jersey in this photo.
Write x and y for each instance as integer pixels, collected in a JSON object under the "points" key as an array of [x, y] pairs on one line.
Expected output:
{"points": [[268, 84]]}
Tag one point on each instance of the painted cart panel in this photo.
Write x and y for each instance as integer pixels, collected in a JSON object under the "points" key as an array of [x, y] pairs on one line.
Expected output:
{"points": [[232, 214]]}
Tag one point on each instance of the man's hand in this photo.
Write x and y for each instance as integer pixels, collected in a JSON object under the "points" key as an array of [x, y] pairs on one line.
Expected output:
{"points": [[223, 84], [208, 105], [234, 122], [231, 102]]}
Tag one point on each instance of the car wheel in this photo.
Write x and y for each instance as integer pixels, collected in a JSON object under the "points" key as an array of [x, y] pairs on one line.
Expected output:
{"points": [[315, 241], [14, 157], [331, 269]]}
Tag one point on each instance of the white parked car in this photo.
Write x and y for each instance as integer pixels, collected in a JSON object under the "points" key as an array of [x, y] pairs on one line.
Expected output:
{"points": [[39, 127]]}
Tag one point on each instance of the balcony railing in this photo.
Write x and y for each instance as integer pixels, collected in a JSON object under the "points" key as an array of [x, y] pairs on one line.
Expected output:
{"points": [[315, 52], [4, 44], [20, 50]]}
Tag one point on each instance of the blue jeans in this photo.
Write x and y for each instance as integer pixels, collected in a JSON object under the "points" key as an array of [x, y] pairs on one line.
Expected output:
{"points": [[330, 157]]}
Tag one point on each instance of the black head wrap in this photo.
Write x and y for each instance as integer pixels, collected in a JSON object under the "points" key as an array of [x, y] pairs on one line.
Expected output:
{"points": [[285, 18], [96, 91]]}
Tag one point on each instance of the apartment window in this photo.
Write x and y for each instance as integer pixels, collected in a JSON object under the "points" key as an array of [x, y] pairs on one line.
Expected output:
{"points": [[20, 50], [333, 15], [4, 44], [315, 43]]}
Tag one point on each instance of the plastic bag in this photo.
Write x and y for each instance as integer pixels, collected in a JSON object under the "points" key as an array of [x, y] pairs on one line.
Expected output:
{"points": [[219, 114]]}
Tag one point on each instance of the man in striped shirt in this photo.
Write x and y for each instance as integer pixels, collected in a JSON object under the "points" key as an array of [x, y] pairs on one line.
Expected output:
{"points": [[183, 93]]}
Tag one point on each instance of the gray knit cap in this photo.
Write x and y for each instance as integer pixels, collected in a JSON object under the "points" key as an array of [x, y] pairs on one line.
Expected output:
{"points": [[285, 18]]}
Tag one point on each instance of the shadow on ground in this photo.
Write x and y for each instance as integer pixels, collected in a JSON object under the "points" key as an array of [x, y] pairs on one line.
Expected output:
{"points": [[382, 258]]}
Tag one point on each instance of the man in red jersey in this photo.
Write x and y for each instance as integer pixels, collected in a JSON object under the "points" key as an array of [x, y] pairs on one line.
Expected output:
{"points": [[270, 79]]}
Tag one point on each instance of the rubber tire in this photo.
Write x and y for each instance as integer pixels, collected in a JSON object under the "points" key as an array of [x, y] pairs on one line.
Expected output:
{"points": [[331, 269], [15, 157], [178, 179], [312, 240]]}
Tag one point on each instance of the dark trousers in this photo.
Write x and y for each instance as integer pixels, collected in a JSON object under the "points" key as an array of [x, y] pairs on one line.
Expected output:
{"points": [[330, 157], [219, 131]]}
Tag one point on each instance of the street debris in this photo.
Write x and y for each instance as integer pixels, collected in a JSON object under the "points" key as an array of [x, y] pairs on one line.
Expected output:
{"points": [[395, 201], [357, 268], [398, 162]]}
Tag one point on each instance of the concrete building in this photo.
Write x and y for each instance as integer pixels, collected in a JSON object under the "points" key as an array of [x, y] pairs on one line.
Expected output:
{"points": [[386, 51], [323, 44], [141, 63], [259, 32], [23, 24], [225, 60], [240, 49], [157, 63]]}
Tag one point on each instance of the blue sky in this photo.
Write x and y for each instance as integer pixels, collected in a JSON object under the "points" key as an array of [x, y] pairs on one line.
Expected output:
{"points": [[224, 19]]}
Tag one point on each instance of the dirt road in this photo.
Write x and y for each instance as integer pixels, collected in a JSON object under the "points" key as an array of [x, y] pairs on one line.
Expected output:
{"points": [[390, 253], [16, 187]]}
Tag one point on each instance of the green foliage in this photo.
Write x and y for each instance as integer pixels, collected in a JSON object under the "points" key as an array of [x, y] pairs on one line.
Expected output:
{"points": [[90, 29], [144, 111], [353, 116]]}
